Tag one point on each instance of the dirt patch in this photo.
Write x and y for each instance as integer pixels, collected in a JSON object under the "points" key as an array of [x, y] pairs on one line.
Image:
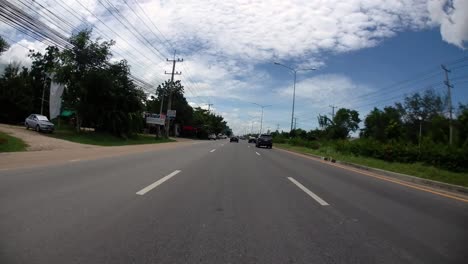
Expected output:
{"points": [[37, 141], [44, 150]]}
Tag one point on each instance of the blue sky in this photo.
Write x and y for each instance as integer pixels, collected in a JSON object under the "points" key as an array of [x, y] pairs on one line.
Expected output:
{"points": [[361, 49]]}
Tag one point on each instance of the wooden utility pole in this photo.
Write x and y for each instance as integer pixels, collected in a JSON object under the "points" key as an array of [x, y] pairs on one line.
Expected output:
{"points": [[171, 89]]}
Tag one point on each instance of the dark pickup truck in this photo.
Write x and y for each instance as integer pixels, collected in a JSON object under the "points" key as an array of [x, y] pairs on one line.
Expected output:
{"points": [[264, 140]]}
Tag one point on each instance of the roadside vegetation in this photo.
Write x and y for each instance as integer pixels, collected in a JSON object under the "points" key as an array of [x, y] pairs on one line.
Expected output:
{"points": [[11, 144], [410, 137], [100, 92], [104, 138], [417, 169]]}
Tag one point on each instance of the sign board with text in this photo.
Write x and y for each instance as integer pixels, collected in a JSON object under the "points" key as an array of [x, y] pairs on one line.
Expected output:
{"points": [[155, 119], [171, 113]]}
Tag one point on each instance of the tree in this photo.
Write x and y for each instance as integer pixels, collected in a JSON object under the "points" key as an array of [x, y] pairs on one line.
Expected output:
{"points": [[101, 93], [383, 125], [3, 45], [78, 64], [418, 108], [42, 68], [462, 125], [324, 121], [344, 122], [207, 123], [15, 94]]}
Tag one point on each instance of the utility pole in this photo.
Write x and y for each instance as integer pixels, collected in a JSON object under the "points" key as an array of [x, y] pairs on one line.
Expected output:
{"points": [[261, 120], [169, 104], [449, 88], [160, 114], [277, 127], [295, 123], [209, 106], [42, 101], [294, 85], [333, 110]]}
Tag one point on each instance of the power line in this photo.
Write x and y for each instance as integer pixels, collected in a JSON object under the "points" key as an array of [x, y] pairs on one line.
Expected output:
{"points": [[143, 11], [85, 22], [129, 6], [40, 34], [160, 55], [193, 84]]}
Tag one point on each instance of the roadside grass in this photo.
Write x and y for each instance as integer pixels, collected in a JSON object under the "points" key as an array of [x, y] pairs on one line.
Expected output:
{"points": [[415, 169], [104, 139], [11, 144]]}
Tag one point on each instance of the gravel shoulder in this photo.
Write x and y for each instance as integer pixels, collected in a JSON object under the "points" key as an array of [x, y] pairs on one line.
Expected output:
{"points": [[44, 150], [39, 142]]}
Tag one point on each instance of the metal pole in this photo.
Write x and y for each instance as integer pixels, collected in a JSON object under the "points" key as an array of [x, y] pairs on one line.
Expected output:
{"points": [[161, 107], [294, 87], [261, 121], [43, 95], [449, 94], [160, 113], [294, 99], [420, 133]]}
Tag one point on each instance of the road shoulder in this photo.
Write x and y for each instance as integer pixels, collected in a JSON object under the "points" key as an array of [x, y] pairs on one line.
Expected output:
{"points": [[447, 190]]}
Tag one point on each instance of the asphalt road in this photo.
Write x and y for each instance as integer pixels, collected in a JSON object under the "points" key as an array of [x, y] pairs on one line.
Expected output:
{"points": [[221, 202]]}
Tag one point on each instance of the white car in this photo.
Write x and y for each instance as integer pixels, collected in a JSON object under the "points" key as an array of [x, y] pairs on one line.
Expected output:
{"points": [[212, 137], [39, 123]]}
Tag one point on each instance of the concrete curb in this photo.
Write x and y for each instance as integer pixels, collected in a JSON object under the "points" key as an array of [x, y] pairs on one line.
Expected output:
{"points": [[400, 176], [409, 178]]}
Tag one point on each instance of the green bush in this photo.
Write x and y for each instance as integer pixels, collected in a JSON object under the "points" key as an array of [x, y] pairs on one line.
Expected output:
{"points": [[437, 155], [279, 139]]}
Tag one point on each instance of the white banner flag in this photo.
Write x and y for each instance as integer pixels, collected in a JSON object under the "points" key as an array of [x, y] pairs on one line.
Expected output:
{"points": [[55, 100]]}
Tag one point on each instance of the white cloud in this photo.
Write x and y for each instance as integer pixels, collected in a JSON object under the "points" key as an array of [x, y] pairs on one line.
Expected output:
{"points": [[326, 89], [452, 16], [19, 51]]}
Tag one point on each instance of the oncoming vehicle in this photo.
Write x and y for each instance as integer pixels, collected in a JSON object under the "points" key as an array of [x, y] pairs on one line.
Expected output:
{"points": [[39, 123], [264, 140]]}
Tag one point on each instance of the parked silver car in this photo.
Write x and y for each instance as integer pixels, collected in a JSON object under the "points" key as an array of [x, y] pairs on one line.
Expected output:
{"points": [[39, 123]]}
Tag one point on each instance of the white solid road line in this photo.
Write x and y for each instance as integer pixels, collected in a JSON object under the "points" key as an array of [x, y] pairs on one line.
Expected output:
{"points": [[309, 192], [257, 153], [213, 150], [156, 183]]}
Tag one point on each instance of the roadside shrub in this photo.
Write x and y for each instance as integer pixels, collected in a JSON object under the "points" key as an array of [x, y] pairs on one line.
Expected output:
{"points": [[437, 155], [280, 139]]}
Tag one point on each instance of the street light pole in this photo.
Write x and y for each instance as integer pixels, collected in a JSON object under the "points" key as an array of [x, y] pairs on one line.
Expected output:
{"points": [[261, 119], [294, 87], [261, 122], [294, 99], [420, 134]]}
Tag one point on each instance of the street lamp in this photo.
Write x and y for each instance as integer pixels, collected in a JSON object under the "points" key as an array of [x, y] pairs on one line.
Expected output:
{"points": [[420, 133], [261, 120], [294, 86]]}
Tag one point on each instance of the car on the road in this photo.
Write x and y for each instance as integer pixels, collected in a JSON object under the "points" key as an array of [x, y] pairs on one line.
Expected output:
{"points": [[234, 139], [264, 140], [252, 139], [39, 123], [221, 136], [212, 137]]}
